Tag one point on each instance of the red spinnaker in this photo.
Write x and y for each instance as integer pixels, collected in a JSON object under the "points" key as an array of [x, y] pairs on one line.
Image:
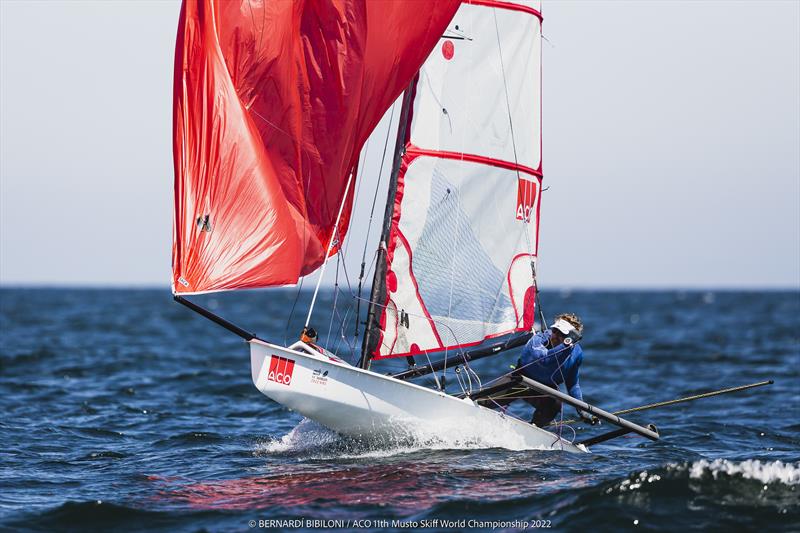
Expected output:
{"points": [[272, 104]]}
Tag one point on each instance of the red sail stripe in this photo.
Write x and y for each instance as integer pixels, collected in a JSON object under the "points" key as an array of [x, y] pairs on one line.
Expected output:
{"points": [[414, 151], [453, 347], [407, 246], [506, 5]]}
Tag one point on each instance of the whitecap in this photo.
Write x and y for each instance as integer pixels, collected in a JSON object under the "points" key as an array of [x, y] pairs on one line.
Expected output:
{"points": [[765, 472]]}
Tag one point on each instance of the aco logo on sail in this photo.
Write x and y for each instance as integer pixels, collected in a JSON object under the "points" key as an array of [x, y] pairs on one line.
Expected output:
{"points": [[280, 370], [526, 198]]}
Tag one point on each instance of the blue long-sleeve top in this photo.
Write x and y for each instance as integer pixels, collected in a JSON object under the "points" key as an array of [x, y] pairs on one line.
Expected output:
{"points": [[553, 366]]}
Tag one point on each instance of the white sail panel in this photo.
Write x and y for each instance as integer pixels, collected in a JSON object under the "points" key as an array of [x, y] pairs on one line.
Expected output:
{"points": [[460, 258], [486, 66], [464, 233]]}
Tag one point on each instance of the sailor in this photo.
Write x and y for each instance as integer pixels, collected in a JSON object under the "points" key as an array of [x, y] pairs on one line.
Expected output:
{"points": [[309, 336], [553, 357]]}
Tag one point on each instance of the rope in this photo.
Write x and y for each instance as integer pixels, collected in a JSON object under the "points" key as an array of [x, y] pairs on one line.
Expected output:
{"points": [[526, 220]]}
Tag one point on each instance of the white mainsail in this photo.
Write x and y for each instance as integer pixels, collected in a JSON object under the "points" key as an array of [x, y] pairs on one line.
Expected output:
{"points": [[464, 231]]}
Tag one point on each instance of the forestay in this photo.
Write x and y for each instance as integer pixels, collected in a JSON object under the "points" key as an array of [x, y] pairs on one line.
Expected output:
{"points": [[464, 232]]}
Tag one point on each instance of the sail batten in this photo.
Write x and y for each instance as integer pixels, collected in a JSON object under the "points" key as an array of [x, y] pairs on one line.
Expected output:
{"points": [[463, 234], [269, 119]]}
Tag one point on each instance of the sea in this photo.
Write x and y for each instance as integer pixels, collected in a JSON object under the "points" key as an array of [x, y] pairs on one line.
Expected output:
{"points": [[121, 410]]}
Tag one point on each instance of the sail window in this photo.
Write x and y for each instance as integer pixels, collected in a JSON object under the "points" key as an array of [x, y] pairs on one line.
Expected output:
{"points": [[204, 223]]}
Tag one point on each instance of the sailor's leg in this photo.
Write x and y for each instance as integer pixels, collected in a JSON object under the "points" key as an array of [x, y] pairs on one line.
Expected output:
{"points": [[547, 409]]}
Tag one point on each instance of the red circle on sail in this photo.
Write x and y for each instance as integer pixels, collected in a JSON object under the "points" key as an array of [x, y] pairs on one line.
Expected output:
{"points": [[391, 281], [448, 50]]}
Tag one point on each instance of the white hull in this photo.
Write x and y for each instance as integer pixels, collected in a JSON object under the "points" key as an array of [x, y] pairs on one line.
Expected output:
{"points": [[360, 403]]}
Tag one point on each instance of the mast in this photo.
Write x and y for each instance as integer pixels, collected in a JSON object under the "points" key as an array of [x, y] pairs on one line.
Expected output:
{"points": [[378, 292]]}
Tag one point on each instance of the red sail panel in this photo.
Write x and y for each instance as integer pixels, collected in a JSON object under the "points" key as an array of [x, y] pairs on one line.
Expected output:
{"points": [[272, 104]]}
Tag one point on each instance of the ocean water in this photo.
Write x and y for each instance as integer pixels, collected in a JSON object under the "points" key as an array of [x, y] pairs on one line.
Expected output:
{"points": [[124, 411]]}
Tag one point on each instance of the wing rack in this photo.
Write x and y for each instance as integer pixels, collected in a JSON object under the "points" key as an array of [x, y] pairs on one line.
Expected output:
{"points": [[487, 395]]}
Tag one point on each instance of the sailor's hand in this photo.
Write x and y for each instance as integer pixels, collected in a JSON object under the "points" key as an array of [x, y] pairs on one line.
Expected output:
{"points": [[588, 417]]}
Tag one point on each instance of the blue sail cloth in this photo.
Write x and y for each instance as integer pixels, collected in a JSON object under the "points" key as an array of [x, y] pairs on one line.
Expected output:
{"points": [[552, 366]]}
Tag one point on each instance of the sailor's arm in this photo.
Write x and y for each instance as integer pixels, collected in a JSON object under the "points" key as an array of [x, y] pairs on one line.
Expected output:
{"points": [[572, 379], [535, 347]]}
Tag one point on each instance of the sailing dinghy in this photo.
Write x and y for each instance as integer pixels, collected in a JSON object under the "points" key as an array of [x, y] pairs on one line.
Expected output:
{"points": [[273, 102]]}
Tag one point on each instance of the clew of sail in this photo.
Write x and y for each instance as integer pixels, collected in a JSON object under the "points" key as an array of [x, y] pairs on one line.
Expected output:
{"points": [[272, 104], [464, 231]]}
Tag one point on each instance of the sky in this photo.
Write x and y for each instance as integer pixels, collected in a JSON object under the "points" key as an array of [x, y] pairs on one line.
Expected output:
{"points": [[671, 145]]}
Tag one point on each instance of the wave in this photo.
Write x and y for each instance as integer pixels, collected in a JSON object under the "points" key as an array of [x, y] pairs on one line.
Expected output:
{"points": [[704, 494], [307, 435], [764, 472], [83, 515]]}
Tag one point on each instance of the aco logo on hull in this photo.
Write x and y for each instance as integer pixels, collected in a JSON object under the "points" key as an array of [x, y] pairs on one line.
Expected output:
{"points": [[280, 370]]}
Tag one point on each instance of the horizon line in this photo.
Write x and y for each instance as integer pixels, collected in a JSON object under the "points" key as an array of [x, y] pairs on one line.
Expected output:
{"points": [[559, 288]]}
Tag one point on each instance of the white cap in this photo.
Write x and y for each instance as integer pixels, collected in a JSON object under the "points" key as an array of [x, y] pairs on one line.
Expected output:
{"points": [[563, 326]]}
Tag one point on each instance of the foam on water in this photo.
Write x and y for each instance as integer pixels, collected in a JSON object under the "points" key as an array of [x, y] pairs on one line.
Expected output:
{"points": [[765, 472], [316, 441], [307, 435]]}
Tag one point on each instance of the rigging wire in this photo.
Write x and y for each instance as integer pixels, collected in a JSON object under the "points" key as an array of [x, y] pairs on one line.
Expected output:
{"points": [[335, 240], [302, 279], [342, 251], [369, 224], [291, 313], [358, 184], [463, 142], [436, 379], [343, 335], [342, 260], [526, 219], [454, 210], [335, 298]]}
